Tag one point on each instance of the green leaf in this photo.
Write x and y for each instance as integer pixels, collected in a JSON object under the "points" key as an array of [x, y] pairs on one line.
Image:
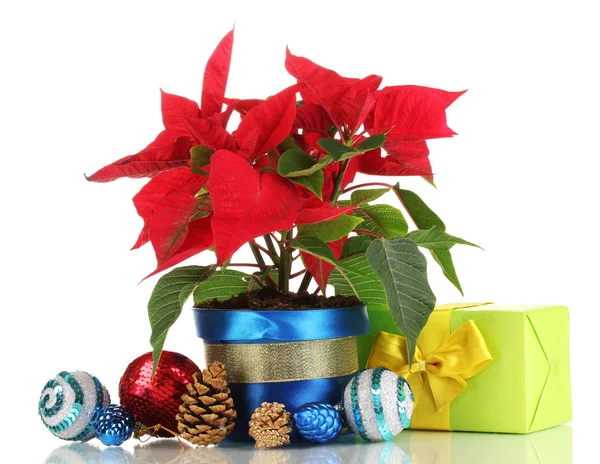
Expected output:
{"points": [[439, 243], [420, 213], [365, 283], [200, 158], [341, 152], [436, 239], [222, 285], [366, 195], [289, 143], [402, 269], [425, 218], [301, 169], [313, 183], [373, 142], [315, 247], [330, 231], [167, 300], [335, 148], [296, 163], [356, 245], [444, 259], [381, 220]]}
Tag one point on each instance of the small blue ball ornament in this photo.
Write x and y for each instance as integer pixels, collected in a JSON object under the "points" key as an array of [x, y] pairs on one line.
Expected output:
{"points": [[114, 425], [69, 402], [318, 422]]}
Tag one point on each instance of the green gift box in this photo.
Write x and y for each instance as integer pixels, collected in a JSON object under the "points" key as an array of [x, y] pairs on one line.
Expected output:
{"points": [[522, 386]]}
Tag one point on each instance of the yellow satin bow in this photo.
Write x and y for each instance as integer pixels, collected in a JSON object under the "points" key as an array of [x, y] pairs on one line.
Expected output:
{"points": [[445, 369]]}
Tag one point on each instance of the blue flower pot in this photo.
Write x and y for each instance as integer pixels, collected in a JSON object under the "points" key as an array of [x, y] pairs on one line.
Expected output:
{"points": [[292, 357]]}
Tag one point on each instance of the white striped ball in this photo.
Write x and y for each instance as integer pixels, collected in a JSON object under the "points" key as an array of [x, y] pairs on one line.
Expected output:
{"points": [[69, 402], [378, 404]]}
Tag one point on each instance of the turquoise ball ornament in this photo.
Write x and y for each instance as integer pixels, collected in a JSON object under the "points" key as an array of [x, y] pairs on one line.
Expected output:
{"points": [[69, 403], [113, 425], [378, 404], [318, 422]]}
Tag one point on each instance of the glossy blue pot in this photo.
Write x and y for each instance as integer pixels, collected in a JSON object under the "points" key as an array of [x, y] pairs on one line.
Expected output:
{"points": [[292, 357]]}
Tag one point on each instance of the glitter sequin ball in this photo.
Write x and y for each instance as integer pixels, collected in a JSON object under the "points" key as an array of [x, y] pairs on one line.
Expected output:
{"points": [[69, 402], [378, 404], [156, 401]]}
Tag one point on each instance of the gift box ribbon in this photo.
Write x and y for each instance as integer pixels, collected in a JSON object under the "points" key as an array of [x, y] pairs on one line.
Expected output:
{"points": [[442, 362]]}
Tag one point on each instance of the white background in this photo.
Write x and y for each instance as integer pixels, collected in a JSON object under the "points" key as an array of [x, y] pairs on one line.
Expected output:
{"points": [[80, 88]]}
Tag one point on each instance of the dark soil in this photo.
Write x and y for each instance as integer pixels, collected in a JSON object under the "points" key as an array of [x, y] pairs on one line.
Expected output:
{"points": [[265, 298]]}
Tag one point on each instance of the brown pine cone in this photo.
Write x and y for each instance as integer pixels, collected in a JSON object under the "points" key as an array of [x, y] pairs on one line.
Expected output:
{"points": [[207, 412], [270, 425]]}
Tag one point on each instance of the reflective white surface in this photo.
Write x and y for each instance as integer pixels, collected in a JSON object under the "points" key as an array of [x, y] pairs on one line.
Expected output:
{"points": [[553, 446]]}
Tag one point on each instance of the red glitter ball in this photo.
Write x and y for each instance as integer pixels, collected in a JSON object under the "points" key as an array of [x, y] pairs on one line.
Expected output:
{"points": [[156, 402]]}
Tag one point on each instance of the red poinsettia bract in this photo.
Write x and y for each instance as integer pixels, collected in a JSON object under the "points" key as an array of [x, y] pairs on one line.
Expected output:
{"points": [[212, 187]]}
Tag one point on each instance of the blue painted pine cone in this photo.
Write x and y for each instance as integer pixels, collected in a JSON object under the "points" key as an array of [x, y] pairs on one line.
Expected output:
{"points": [[113, 425], [318, 422]]}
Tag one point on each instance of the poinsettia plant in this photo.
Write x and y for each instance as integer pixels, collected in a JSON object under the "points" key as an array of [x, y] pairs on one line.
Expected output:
{"points": [[282, 184]]}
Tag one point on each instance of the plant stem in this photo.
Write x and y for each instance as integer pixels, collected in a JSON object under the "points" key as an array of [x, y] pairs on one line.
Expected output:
{"points": [[271, 247], [258, 281], [305, 282], [283, 268], [270, 282], [273, 255], [337, 186], [274, 158], [297, 274], [260, 247], [256, 252], [260, 266], [368, 184]]}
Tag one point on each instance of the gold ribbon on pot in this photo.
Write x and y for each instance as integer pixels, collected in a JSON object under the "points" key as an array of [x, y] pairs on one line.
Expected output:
{"points": [[438, 371], [285, 362]]}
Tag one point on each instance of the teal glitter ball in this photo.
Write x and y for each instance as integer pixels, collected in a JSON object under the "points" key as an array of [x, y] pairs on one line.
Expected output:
{"points": [[113, 425], [378, 404], [69, 402]]}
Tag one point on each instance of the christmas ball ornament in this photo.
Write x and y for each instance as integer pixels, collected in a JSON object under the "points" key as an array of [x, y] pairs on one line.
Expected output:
{"points": [[156, 401], [318, 422], [378, 404], [113, 425], [69, 402]]}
